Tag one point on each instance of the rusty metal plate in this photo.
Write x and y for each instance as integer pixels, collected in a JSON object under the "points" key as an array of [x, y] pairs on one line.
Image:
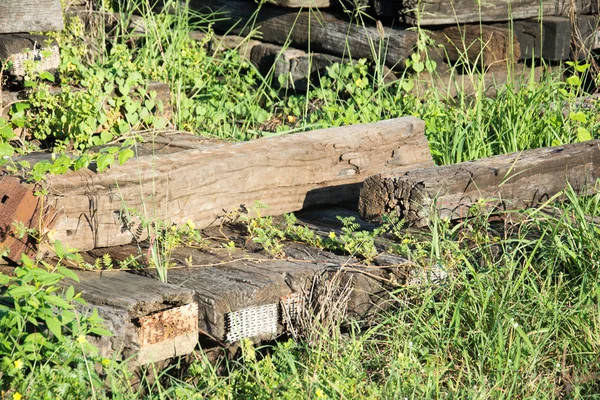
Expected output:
{"points": [[17, 204], [168, 324]]}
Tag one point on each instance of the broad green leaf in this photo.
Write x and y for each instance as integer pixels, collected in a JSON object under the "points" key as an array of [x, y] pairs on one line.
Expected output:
{"points": [[54, 326], [58, 301], [583, 134], [21, 291], [6, 150], [59, 249], [68, 273], [6, 130], [125, 155], [578, 116], [104, 161], [582, 67], [47, 76], [81, 162], [67, 316], [106, 136], [574, 80], [70, 292], [101, 331]]}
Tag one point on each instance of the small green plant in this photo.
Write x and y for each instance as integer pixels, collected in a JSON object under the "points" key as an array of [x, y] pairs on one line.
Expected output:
{"points": [[164, 238], [264, 231]]}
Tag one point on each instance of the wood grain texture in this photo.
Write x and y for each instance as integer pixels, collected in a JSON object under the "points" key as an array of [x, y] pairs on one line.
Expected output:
{"points": [[250, 282], [286, 172], [444, 12], [18, 16], [168, 324], [512, 181], [224, 281], [322, 31]]}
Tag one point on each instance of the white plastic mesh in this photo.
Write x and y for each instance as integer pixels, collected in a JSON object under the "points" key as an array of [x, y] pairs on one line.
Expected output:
{"points": [[250, 322]]}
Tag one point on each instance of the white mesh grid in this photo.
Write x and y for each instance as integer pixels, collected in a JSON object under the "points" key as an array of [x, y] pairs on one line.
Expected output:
{"points": [[250, 322]]}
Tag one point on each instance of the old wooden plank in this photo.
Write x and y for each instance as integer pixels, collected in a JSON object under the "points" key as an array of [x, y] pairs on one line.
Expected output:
{"points": [[250, 285], [511, 181], [285, 172], [320, 31], [443, 12], [30, 15], [150, 320], [292, 68], [477, 44]]}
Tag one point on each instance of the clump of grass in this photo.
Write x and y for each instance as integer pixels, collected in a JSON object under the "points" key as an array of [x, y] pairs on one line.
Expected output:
{"points": [[516, 318]]}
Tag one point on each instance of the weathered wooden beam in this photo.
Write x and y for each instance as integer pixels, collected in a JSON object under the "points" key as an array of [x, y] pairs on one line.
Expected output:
{"points": [[295, 69], [443, 12], [318, 30], [286, 172], [477, 44], [150, 320], [246, 297], [17, 16], [510, 181]]}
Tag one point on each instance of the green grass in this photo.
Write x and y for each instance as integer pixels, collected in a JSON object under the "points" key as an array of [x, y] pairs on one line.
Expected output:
{"points": [[517, 317]]}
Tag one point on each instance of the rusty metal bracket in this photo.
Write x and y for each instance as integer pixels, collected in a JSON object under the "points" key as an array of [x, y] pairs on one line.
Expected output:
{"points": [[18, 204]]}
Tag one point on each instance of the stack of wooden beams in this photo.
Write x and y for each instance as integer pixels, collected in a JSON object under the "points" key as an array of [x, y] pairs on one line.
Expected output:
{"points": [[300, 38]]}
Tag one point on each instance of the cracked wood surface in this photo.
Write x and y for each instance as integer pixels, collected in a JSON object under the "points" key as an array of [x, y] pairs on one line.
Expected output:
{"points": [[511, 181], [206, 181]]}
